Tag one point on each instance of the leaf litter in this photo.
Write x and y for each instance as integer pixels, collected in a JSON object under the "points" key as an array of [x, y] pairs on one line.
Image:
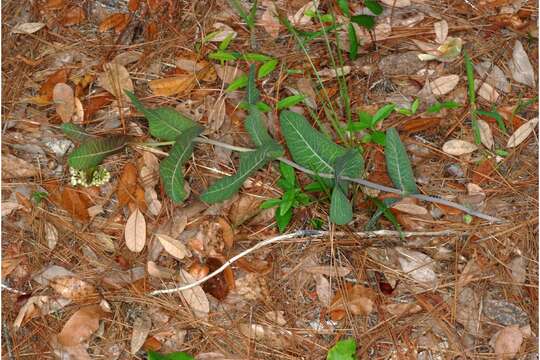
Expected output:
{"points": [[66, 248]]}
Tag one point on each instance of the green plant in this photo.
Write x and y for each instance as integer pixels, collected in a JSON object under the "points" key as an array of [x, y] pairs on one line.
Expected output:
{"points": [[38, 196], [368, 123], [411, 111], [469, 67], [437, 107], [494, 115], [343, 350], [292, 197], [152, 355]]}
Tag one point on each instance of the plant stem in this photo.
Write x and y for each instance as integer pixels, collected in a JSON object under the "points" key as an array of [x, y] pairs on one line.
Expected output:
{"points": [[362, 182]]}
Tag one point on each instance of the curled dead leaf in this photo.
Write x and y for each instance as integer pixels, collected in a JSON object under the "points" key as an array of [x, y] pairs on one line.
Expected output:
{"points": [[115, 79]]}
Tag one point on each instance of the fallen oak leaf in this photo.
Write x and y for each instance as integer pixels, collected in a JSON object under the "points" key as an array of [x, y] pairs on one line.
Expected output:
{"points": [[81, 325], [135, 231]]}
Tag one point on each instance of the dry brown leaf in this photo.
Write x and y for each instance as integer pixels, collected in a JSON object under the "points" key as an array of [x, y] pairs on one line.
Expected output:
{"points": [[222, 32], [518, 269], [403, 309], [119, 279], [300, 18], [265, 333], [73, 16], [173, 246], [277, 317], [118, 22], [219, 285], [228, 73], [332, 73], [76, 203], [522, 133], [396, 3], [64, 99], [27, 28], [444, 84], [60, 76], [269, 20], [328, 270], [409, 208], [486, 135], [417, 265], [176, 85], [216, 112], [10, 206], [133, 5], [38, 305], [80, 326], [324, 290], [49, 273], [73, 288], [458, 147], [358, 299], [14, 168], [159, 271], [127, 184], [195, 297], [441, 31], [486, 91], [127, 57], [141, 329], [520, 66], [135, 231], [507, 342], [51, 235], [115, 79]]}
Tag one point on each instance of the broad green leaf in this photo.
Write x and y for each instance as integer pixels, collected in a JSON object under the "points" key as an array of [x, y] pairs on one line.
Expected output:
{"points": [[171, 356], [437, 107], [164, 123], [353, 42], [252, 92], [344, 6], [257, 57], [366, 21], [287, 173], [270, 203], [238, 83], [75, 132], [283, 220], [374, 6], [221, 55], [343, 350], [256, 128], [171, 168], [290, 101], [364, 122], [398, 164], [287, 201], [382, 114], [225, 43], [308, 147], [378, 137], [349, 164], [267, 68], [340, 207], [250, 162], [92, 153]]}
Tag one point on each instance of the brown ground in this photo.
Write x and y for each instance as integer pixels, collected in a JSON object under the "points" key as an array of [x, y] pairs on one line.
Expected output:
{"points": [[282, 301]]}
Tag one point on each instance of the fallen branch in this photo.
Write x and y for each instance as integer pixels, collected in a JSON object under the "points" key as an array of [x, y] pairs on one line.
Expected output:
{"points": [[300, 234]]}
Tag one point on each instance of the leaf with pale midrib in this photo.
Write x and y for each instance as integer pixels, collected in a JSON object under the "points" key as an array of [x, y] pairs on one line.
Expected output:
{"points": [[250, 162], [398, 164], [164, 123], [340, 207], [255, 127], [91, 153], [171, 168], [75, 132], [349, 164]]}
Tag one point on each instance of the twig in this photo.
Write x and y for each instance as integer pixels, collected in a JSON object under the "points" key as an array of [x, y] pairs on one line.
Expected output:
{"points": [[300, 234], [366, 183]]}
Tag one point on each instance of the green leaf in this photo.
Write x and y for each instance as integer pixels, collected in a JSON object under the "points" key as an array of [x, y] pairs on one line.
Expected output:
{"points": [[287, 201], [343, 350], [308, 147], [364, 122], [164, 123], [75, 132], [264, 107], [382, 114], [374, 6], [383, 208], [290, 101], [340, 207], [250, 162], [469, 68], [398, 164], [238, 83], [353, 42], [221, 55], [494, 115], [257, 57], [171, 356], [256, 128], [270, 203], [378, 137], [283, 220], [349, 164], [315, 187], [415, 105], [366, 21], [225, 43], [404, 111], [267, 68], [344, 6], [92, 153], [287, 173], [171, 168], [437, 107], [252, 92]]}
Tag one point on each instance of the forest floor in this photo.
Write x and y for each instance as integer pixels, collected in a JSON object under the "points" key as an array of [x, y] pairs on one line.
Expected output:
{"points": [[403, 278]]}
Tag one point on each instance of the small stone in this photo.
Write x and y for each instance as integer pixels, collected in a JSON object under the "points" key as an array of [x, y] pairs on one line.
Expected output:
{"points": [[505, 313]]}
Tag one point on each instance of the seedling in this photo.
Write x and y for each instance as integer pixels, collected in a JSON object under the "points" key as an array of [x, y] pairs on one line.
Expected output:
{"points": [[437, 107], [292, 198], [38, 196], [410, 111], [469, 67], [343, 350], [369, 123]]}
